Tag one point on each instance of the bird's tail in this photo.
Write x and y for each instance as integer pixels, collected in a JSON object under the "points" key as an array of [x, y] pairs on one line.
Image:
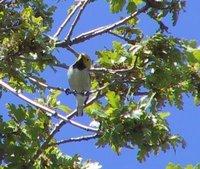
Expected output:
{"points": [[80, 110], [80, 104]]}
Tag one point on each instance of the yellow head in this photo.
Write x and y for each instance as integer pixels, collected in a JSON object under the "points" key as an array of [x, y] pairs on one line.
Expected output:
{"points": [[86, 59]]}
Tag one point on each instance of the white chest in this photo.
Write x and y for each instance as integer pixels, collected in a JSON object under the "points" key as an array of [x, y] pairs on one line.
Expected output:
{"points": [[79, 80]]}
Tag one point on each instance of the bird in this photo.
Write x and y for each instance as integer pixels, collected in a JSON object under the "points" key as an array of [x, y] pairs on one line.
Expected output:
{"points": [[79, 80]]}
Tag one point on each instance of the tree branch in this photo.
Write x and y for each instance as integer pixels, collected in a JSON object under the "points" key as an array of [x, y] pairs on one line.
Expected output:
{"points": [[72, 51], [62, 122], [49, 111], [67, 38], [98, 31], [123, 38], [59, 30], [57, 128], [75, 139], [44, 84], [1, 1], [111, 71], [61, 65]]}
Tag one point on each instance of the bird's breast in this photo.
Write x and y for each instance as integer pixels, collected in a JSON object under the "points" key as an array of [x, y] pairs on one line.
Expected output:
{"points": [[79, 80]]}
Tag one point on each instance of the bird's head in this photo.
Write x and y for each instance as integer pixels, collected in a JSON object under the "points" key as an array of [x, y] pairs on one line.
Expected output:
{"points": [[85, 59]]}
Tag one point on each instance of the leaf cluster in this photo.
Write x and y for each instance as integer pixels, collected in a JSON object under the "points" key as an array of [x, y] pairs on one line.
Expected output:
{"points": [[20, 139], [173, 166], [129, 125], [24, 45], [137, 68], [160, 68], [157, 9]]}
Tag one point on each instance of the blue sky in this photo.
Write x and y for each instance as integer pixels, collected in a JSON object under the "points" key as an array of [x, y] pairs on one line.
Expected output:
{"points": [[185, 122]]}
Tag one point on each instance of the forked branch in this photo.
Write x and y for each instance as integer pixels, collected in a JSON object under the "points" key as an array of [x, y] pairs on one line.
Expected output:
{"points": [[49, 112], [62, 26], [98, 31], [76, 19]]}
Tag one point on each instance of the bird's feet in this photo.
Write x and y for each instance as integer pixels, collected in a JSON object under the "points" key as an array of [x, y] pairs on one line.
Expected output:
{"points": [[68, 91]]}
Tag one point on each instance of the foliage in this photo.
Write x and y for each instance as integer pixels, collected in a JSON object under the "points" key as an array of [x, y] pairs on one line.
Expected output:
{"points": [[21, 137], [132, 82], [173, 166]]}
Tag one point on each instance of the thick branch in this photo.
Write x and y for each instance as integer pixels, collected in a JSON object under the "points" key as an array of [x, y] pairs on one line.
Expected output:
{"points": [[49, 111], [95, 32]]}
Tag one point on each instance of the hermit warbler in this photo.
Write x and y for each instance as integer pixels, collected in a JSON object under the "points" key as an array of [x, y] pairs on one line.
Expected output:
{"points": [[79, 81]]}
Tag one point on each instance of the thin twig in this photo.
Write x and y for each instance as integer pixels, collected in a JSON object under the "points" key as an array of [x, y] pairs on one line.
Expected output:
{"points": [[69, 48], [61, 65], [121, 37], [56, 63], [59, 30], [100, 30], [162, 26], [40, 83], [111, 71], [44, 84], [136, 60], [75, 139], [76, 19]]}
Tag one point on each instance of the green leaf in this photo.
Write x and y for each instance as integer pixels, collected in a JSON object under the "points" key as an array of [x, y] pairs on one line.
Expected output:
{"points": [[18, 113], [64, 108], [193, 55], [113, 99], [163, 115], [189, 167], [96, 110], [197, 166], [116, 148], [117, 45], [197, 100], [131, 7], [137, 2], [116, 6], [173, 166]]}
